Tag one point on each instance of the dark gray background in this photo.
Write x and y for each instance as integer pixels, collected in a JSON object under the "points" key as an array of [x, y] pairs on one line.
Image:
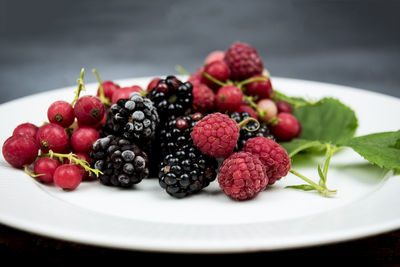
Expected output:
{"points": [[44, 43]]}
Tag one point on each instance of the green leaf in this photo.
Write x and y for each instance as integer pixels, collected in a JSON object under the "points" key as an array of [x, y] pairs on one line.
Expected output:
{"points": [[382, 149], [304, 187], [328, 120], [297, 145]]}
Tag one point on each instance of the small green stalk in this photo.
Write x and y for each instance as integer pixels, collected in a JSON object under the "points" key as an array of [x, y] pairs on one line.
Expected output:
{"points": [[244, 122], [250, 80], [322, 190], [102, 97], [181, 70], [31, 174], [74, 158], [278, 96], [81, 87], [211, 78], [260, 113]]}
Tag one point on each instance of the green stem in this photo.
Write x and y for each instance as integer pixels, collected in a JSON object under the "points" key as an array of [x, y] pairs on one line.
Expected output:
{"points": [[181, 70], [102, 97], [260, 113], [324, 191], [244, 122], [329, 152], [278, 96], [74, 158], [81, 87], [251, 80], [211, 78], [31, 174]]}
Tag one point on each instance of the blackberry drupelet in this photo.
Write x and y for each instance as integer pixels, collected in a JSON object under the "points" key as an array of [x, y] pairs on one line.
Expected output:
{"points": [[135, 119], [245, 134], [186, 171], [176, 132], [122, 162], [172, 97]]}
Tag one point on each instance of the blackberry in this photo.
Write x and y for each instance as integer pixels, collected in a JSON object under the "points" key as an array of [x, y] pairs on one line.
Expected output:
{"points": [[135, 119], [186, 171], [172, 97], [245, 134], [176, 132], [122, 162]]}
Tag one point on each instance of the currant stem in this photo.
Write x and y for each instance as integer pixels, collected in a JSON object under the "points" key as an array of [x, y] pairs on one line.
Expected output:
{"points": [[260, 113], [244, 122], [31, 174], [211, 78], [278, 96], [74, 158], [251, 80], [181, 70], [102, 97], [81, 87]]}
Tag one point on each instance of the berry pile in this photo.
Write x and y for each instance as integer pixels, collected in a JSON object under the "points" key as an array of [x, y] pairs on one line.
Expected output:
{"points": [[175, 130]]}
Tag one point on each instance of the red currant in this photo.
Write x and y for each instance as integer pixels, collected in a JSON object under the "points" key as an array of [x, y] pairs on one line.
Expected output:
{"points": [[286, 128], [83, 138], [27, 129], [125, 93], [109, 88], [82, 156], [52, 137], [20, 150], [61, 113], [89, 110], [67, 176], [46, 167], [229, 98]]}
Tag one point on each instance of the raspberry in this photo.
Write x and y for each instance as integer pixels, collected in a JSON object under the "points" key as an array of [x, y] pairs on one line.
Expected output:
{"points": [[27, 129], [262, 89], [243, 61], [242, 176], [203, 98], [229, 98], [286, 128], [216, 135], [274, 157], [214, 56], [19, 150], [218, 70]]}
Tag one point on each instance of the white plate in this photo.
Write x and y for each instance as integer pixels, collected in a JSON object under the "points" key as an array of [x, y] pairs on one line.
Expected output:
{"points": [[146, 218]]}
